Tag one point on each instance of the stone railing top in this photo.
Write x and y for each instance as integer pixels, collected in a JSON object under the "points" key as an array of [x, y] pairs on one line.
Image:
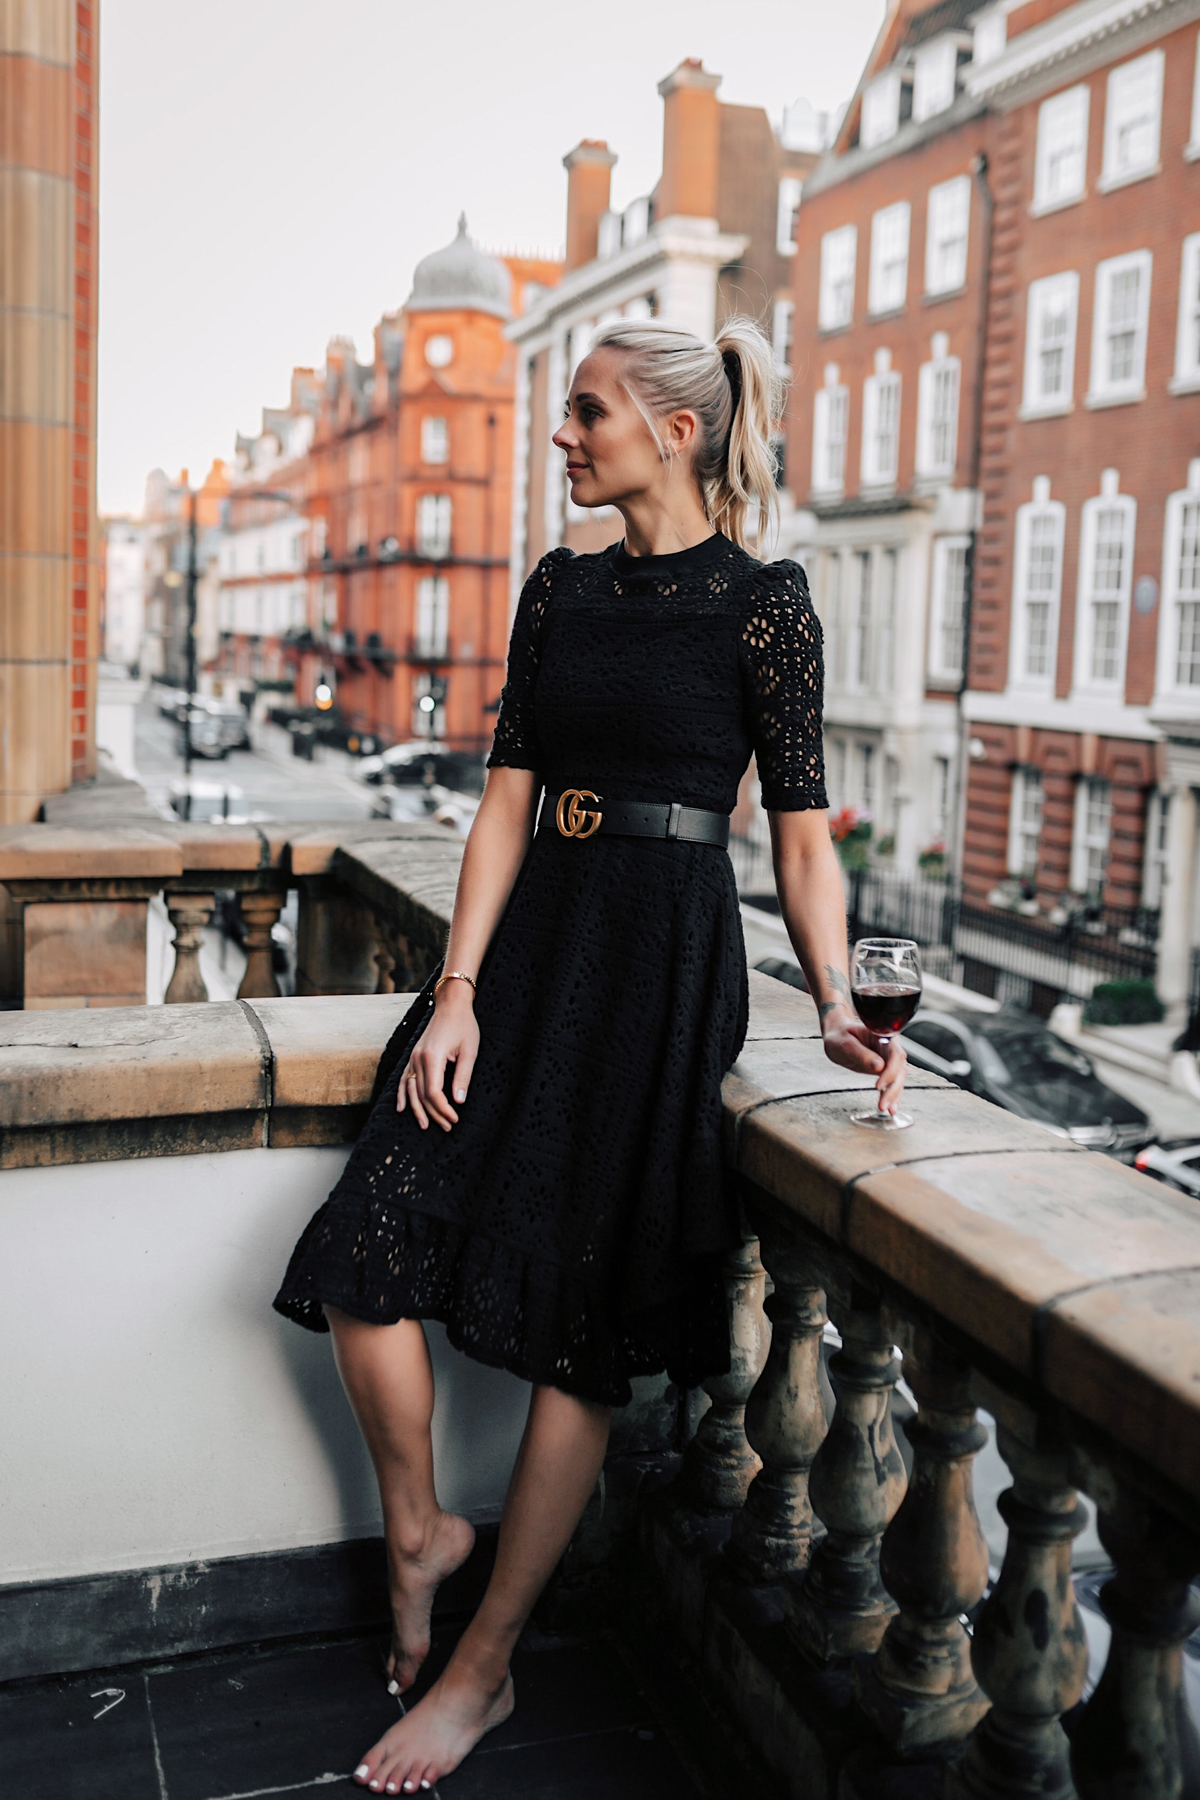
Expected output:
{"points": [[76, 853]]}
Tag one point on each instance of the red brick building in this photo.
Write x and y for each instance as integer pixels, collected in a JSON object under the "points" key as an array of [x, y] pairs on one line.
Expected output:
{"points": [[1083, 701], [892, 240]]}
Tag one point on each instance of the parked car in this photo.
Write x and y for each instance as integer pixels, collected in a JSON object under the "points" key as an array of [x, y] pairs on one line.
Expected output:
{"points": [[1013, 1059], [422, 764], [212, 800], [1177, 1162], [217, 727], [436, 804]]}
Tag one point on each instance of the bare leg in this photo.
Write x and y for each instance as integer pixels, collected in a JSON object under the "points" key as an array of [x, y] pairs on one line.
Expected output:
{"points": [[387, 1375], [556, 1471]]}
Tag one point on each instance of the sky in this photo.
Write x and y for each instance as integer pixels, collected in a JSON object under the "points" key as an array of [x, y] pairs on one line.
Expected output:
{"points": [[271, 170]]}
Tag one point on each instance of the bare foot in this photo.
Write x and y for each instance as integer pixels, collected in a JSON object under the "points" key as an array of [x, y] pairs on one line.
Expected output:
{"points": [[434, 1737], [413, 1581]]}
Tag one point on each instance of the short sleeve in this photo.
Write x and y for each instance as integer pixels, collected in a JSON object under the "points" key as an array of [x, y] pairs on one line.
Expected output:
{"points": [[514, 744], [784, 675]]}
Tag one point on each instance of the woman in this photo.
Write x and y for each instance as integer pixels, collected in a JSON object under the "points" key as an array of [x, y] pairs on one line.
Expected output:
{"points": [[559, 1201]]}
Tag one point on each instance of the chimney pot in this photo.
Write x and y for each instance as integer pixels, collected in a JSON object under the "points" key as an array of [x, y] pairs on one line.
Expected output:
{"points": [[691, 143], [589, 178]]}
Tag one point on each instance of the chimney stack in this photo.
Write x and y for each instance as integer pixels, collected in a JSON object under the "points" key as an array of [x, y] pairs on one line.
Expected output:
{"points": [[589, 175], [691, 143]]}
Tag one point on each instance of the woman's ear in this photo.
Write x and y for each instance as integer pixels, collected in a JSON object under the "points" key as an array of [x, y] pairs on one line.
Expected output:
{"points": [[681, 430]]}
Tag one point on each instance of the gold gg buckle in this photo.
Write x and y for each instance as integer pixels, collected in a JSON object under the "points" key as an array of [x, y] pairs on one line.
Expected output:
{"points": [[572, 817]]}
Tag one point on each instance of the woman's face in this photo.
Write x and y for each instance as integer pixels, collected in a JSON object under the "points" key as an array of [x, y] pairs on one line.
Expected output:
{"points": [[611, 454]]}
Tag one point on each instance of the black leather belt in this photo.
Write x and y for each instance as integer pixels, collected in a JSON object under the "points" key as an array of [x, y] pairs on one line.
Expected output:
{"points": [[579, 813]]}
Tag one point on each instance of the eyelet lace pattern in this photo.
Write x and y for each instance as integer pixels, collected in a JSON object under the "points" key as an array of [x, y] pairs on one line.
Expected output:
{"points": [[571, 1227]]}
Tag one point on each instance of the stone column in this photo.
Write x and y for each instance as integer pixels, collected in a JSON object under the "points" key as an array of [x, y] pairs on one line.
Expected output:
{"points": [[1029, 1651], [785, 1421], [259, 913], [920, 1690], [719, 1465], [858, 1481], [190, 914], [1175, 931], [1136, 1739]]}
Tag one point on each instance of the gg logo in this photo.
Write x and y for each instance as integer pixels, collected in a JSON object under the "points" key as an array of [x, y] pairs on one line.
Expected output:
{"points": [[572, 818]]}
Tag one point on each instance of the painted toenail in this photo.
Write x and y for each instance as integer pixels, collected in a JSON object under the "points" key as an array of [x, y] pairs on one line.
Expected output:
{"points": [[361, 1770], [393, 1687]]}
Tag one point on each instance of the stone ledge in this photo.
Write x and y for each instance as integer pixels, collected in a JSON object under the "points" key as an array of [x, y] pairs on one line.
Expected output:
{"points": [[73, 853]]}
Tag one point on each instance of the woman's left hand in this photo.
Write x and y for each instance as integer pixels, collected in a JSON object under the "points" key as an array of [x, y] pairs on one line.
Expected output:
{"points": [[849, 1044]]}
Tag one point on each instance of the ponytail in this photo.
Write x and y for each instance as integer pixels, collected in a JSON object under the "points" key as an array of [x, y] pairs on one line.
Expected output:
{"points": [[734, 389]]}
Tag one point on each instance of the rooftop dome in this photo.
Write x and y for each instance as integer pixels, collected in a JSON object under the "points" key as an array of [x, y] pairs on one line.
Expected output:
{"points": [[460, 277]]}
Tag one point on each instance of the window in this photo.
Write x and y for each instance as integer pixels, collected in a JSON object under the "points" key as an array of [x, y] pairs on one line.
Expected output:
{"points": [[1060, 167], [937, 411], [433, 524], [781, 333], [866, 777], [935, 77], [881, 423], [435, 441], [1089, 843], [1050, 343], [439, 351], [831, 415], [839, 251], [941, 797], [433, 616], [947, 221], [1105, 579], [1154, 862], [947, 621], [429, 721], [889, 571], [1180, 625], [1037, 584], [861, 643], [785, 214], [880, 110], [1025, 823], [1187, 336], [889, 258], [1121, 316], [991, 37], [1132, 116]]}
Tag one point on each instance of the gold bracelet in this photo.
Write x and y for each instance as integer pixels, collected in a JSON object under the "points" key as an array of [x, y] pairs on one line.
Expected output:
{"points": [[454, 975]]}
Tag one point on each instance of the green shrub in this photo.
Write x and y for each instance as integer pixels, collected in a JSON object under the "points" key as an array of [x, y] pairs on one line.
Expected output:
{"points": [[1123, 1003]]}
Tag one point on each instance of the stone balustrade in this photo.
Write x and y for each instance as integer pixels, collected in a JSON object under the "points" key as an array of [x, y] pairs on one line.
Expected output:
{"points": [[832, 1597]]}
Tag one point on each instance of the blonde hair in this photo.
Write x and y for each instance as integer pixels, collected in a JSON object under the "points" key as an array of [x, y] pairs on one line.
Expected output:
{"points": [[735, 391]]}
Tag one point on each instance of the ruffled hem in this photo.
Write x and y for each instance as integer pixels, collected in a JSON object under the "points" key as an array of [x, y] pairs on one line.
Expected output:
{"points": [[499, 1306]]}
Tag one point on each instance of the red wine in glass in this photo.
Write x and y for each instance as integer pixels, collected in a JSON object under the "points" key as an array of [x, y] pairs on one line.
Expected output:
{"points": [[885, 985]]}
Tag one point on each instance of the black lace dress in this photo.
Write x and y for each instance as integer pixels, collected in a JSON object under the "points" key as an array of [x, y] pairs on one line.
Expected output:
{"points": [[571, 1227]]}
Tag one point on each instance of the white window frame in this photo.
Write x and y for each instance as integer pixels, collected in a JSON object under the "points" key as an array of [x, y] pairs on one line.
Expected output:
{"points": [[1085, 838], [880, 119], [880, 390], [790, 188], [1191, 150], [935, 78], [949, 554], [861, 621], [947, 201], [1051, 294], [938, 381], [431, 634], [839, 257], [1174, 595], [435, 439], [1050, 518], [1186, 379], [1066, 115], [1109, 502], [831, 408], [781, 332], [890, 234], [1027, 783], [1117, 169], [1156, 847], [435, 522], [1103, 390]]}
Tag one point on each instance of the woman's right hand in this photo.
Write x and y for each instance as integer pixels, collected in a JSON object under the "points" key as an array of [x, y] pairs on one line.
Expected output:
{"points": [[452, 1036]]}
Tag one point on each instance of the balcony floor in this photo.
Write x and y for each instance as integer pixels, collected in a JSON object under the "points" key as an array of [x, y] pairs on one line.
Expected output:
{"points": [[292, 1720]]}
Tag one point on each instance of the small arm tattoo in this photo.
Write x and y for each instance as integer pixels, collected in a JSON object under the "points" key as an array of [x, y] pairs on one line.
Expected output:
{"points": [[823, 1012], [838, 983]]}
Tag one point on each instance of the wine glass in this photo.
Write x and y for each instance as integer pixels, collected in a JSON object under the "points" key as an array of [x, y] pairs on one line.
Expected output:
{"points": [[885, 985]]}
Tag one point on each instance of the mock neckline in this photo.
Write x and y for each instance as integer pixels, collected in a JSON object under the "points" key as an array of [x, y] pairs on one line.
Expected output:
{"points": [[677, 562]]}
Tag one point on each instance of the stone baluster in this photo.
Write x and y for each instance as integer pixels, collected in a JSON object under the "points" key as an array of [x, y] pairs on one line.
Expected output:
{"points": [[785, 1421], [919, 1689], [719, 1465], [841, 1608], [259, 913], [190, 915], [385, 957], [1136, 1739], [1029, 1651]]}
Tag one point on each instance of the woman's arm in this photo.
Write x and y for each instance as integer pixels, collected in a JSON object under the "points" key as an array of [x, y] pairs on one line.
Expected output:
{"points": [[808, 881], [496, 848]]}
